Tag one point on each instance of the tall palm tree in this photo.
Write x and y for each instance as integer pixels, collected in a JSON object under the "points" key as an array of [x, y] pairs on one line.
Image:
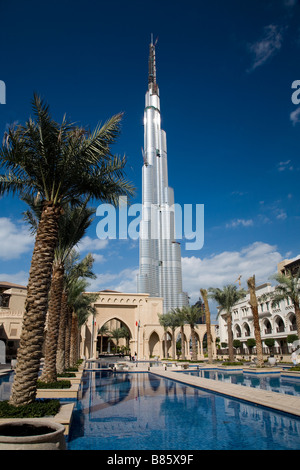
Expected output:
{"points": [[164, 322], [63, 163], [192, 315], [72, 226], [76, 271], [226, 299], [126, 335], [208, 325], [117, 334], [103, 330], [254, 308], [181, 321], [288, 289], [173, 321], [82, 307]]}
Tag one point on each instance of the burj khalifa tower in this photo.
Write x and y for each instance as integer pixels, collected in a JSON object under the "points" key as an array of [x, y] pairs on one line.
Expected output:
{"points": [[160, 272]]}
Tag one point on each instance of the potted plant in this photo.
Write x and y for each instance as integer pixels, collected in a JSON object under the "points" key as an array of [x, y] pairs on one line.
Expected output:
{"points": [[32, 434]]}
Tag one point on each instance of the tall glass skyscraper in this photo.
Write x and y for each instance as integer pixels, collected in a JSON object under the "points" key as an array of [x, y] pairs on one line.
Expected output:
{"points": [[160, 254]]}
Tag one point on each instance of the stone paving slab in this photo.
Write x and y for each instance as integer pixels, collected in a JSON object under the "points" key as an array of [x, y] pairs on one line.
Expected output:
{"points": [[278, 401]]}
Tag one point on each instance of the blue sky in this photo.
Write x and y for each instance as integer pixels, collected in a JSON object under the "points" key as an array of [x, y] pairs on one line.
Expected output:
{"points": [[225, 70]]}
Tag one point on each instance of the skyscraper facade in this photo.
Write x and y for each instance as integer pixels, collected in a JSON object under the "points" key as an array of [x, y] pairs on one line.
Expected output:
{"points": [[160, 272]]}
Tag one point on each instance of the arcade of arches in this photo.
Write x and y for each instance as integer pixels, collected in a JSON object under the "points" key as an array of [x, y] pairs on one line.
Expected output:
{"points": [[137, 316]]}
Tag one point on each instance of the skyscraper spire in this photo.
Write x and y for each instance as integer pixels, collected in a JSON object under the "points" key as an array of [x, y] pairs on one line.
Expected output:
{"points": [[152, 85]]}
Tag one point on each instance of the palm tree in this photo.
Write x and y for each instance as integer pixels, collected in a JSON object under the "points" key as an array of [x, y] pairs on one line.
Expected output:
{"points": [[82, 307], [173, 321], [63, 163], [192, 315], [102, 331], [181, 321], [126, 335], [117, 334], [164, 322], [208, 326], [75, 271], [72, 226], [288, 289], [226, 299], [254, 308]]}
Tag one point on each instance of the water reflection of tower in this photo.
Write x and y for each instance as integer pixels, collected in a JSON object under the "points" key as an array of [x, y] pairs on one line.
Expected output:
{"points": [[160, 254]]}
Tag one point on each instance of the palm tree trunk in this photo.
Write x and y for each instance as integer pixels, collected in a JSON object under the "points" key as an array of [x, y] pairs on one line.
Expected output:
{"points": [[297, 314], [60, 356], [194, 344], [166, 344], [182, 343], [254, 308], [74, 341], [68, 339], [49, 370], [36, 306], [230, 337], [208, 326], [173, 344]]}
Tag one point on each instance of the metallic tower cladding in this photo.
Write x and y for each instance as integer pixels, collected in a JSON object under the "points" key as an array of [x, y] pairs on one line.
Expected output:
{"points": [[160, 255]]}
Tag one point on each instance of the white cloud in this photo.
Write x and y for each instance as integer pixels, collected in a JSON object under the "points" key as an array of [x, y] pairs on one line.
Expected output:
{"points": [[281, 215], [224, 268], [264, 49], [282, 166], [295, 116], [15, 239], [124, 281], [290, 3], [91, 244], [235, 223], [20, 278], [98, 258]]}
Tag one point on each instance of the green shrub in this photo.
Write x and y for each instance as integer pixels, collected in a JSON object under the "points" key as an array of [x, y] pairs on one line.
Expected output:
{"points": [[232, 363], [295, 368], [67, 374], [57, 384], [37, 409]]}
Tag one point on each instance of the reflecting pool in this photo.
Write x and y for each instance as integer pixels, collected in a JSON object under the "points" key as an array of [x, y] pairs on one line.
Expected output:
{"points": [[279, 383], [140, 411]]}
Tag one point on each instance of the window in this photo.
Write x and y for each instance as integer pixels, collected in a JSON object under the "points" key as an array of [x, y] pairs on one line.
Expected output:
{"points": [[4, 300]]}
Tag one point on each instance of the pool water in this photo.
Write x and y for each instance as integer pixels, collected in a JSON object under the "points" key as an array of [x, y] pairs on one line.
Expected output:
{"points": [[274, 382], [141, 411], [6, 382]]}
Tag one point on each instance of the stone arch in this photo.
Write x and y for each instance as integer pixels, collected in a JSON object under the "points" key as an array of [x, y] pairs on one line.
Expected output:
{"points": [[267, 327], [291, 319], [237, 332], [198, 343], [184, 343], [246, 330], [113, 322], [279, 324], [154, 344]]}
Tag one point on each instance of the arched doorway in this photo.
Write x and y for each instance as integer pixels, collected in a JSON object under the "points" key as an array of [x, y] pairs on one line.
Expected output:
{"points": [[113, 337], [154, 345], [267, 327]]}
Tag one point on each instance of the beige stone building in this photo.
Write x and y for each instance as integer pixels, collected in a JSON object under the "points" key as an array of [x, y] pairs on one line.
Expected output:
{"points": [[12, 301], [139, 314]]}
